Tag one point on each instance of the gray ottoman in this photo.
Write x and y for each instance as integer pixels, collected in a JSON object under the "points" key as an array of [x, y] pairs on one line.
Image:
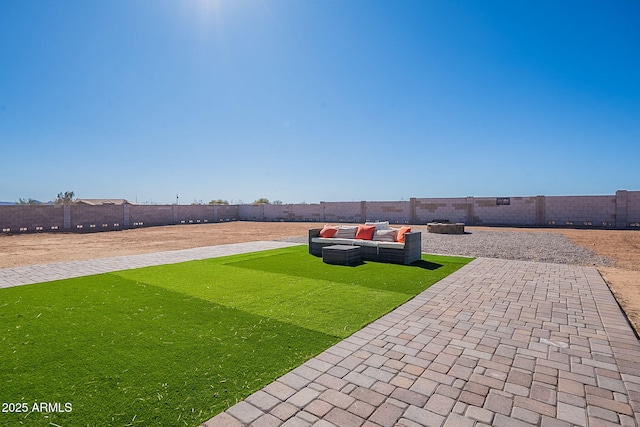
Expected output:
{"points": [[341, 254]]}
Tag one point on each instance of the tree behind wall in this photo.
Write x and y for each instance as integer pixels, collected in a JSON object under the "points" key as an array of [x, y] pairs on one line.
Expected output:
{"points": [[28, 201], [218, 202], [66, 198]]}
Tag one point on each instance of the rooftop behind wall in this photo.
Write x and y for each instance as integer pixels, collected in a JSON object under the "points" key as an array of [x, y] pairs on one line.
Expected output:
{"points": [[621, 211]]}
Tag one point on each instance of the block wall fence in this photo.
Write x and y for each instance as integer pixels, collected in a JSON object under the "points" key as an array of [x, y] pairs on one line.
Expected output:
{"points": [[619, 211]]}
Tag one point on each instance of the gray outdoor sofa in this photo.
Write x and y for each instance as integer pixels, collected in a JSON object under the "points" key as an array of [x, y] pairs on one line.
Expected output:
{"points": [[394, 252]]}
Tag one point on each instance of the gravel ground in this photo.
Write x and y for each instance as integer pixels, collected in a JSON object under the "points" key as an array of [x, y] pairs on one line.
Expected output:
{"points": [[517, 245]]}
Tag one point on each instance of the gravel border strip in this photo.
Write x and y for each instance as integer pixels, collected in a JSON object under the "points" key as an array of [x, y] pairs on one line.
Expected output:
{"points": [[514, 245]]}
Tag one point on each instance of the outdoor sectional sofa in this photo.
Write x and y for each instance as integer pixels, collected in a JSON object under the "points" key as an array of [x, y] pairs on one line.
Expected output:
{"points": [[405, 252]]}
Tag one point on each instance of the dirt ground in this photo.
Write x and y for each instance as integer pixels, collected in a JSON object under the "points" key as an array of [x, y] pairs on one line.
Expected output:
{"points": [[620, 246], [623, 248]]}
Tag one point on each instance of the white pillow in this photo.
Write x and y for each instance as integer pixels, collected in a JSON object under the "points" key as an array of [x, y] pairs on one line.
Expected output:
{"points": [[379, 225], [385, 235], [346, 232]]}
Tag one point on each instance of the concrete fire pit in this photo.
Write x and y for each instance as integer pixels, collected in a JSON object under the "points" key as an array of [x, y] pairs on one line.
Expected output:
{"points": [[444, 228]]}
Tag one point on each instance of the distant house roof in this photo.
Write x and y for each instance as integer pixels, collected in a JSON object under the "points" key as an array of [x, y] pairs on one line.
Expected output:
{"points": [[97, 202]]}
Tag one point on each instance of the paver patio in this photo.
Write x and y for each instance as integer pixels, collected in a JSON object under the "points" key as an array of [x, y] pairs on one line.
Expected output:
{"points": [[505, 343]]}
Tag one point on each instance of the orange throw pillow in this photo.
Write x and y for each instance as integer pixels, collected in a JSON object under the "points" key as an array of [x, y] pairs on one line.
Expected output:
{"points": [[365, 232], [401, 233], [328, 231]]}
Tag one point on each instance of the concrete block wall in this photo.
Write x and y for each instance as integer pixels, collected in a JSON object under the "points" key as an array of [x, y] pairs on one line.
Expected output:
{"points": [[627, 209], [227, 213], [96, 218], [251, 212], [85, 218], [149, 215], [519, 211], [194, 214], [621, 210], [302, 212], [580, 211], [31, 218], [633, 209], [394, 212], [344, 212], [450, 209]]}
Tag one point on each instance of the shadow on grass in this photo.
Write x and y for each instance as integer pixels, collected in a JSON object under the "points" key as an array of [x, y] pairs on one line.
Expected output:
{"points": [[425, 265], [352, 264]]}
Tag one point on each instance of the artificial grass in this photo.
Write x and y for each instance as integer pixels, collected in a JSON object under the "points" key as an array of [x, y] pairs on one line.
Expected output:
{"points": [[176, 344]]}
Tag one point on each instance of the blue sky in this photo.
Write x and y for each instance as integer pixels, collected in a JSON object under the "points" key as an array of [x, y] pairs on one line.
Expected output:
{"points": [[333, 100]]}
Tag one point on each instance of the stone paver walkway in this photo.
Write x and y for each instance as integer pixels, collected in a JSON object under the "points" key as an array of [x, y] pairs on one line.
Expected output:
{"points": [[503, 343], [64, 270]]}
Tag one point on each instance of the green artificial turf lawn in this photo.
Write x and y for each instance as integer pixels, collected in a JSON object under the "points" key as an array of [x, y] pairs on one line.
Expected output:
{"points": [[177, 344]]}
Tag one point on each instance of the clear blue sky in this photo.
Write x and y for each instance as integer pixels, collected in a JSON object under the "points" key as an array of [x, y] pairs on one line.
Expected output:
{"points": [[334, 100]]}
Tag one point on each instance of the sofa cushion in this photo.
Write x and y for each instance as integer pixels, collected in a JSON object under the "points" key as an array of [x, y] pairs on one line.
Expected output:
{"points": [[346, 232], [369, 243], [386, 235], [365, 232], [391, 245], [379, 225], [328, 231], [402, 232], [332, 240]]}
